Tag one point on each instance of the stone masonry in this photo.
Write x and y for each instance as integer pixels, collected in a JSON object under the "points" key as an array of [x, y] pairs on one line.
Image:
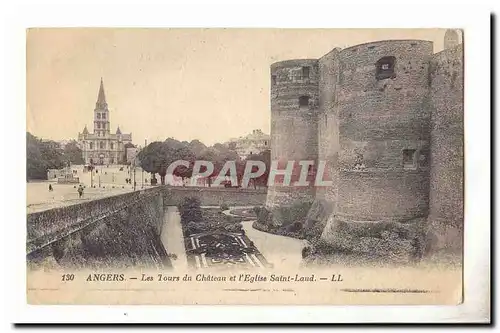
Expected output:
{"points": [[387, 118]]}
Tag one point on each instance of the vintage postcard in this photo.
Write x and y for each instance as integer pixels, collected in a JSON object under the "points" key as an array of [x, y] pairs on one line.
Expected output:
{"points": [[245, 166]]}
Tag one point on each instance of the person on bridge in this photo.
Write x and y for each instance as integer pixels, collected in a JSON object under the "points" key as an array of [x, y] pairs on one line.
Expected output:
{"points": [[50, 188]]}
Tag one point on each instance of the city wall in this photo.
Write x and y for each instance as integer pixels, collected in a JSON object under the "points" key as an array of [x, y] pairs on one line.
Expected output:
{"points": [[215, 196], [117, 231], [446, 204], [388, 117]]}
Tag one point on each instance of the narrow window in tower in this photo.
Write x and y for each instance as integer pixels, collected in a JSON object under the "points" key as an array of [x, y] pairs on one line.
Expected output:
{"points": [[273, 80], [385, 68], [91, 145], [409, 161], [304, 101], [103, 116], [112, 146], [305, 72], [98, 115]]}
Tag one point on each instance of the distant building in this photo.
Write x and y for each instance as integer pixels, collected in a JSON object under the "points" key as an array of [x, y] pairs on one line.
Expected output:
{"points": [[54, 174], [102, 146], [63, 143], [254, 143]]}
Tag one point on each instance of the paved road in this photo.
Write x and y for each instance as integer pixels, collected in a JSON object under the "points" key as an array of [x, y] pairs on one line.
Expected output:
{"points": [[173, 239], [38, 197], [281, 251]]}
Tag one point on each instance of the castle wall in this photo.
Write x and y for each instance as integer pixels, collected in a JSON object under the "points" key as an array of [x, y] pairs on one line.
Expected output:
{"points": [[384, 137], [328, 134], [447, 144], [389, 122], [378, 119], [293, 127]]}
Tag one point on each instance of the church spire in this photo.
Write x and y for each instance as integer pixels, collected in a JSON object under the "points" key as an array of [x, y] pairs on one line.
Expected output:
{"points": [[101, 97]]}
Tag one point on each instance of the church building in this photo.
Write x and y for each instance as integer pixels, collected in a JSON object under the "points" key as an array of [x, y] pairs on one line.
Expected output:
{"points": [[103, 147]]}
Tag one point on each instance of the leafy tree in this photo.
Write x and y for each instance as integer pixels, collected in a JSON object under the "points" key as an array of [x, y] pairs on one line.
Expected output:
{"points": [[184, 153], [41, 156], [150, 158], [73, 153], [196, 147], [265, 157]]}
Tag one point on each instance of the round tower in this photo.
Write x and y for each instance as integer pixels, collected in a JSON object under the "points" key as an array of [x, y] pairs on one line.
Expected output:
{"points": [[294, 104], [451, 39], [446, 206], [384, 135]]}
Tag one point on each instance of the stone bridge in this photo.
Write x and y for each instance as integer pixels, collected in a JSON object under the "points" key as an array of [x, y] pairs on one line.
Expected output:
{"points": [[117, 231]]}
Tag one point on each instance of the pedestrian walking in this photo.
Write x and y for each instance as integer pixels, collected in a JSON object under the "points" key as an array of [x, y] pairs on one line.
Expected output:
{"points": [[50, 188], [80, 191]]}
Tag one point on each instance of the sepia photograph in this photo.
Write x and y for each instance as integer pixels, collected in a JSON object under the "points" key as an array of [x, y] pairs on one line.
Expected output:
{"points": [[184, 152], [249, 172]]}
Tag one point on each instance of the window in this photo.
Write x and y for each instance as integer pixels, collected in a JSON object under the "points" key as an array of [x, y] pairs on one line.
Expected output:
{"points": [[98, 115], [273, 80], [305, 72], [112, 145], [98, 125], [385, 68], [103, 116], [304, 101], [265, 143], [409, 159], [91, 145], [359, 164], [102, 144]]}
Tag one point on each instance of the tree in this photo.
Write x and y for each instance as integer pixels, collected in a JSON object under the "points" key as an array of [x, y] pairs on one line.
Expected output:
{"points": [[196, 147], [265, 157], [186, 154], [73, 153], [150, 157], [158, 156], [41, 156], [209, 155]]}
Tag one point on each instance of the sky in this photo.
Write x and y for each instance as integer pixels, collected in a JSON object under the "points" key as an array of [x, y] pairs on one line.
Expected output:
{"points": [[205, 84]]}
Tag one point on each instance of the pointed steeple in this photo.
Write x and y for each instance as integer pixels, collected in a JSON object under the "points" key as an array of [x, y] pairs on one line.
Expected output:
{"points": [[118, 131], [85, 130], [101, 97]]}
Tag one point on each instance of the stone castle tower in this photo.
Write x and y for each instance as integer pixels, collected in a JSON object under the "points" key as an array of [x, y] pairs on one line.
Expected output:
{"points": [[387, 117]]}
